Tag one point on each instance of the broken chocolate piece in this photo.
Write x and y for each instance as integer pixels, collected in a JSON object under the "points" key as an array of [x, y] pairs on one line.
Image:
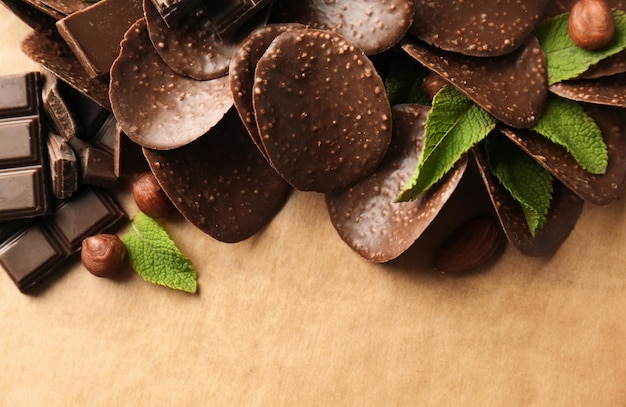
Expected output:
{"points": [[186, 108], [513, 87], [94, 34], [367, 216], [128, 158], [63, 167], [57, 109], [221, 183], [97, 166], [321, 110], [373, 25]]}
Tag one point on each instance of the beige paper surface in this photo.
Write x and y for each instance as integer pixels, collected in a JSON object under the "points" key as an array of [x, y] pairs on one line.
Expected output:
{"points": [[294, 317]]}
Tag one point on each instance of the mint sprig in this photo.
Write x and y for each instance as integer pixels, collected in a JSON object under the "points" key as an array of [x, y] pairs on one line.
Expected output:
{"points": [[455, 124], [566, 60], [526, 181], [155, 257], [565, 123]]}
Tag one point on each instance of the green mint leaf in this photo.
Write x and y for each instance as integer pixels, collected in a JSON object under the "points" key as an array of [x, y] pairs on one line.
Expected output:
{"points": [[403, 82], [455, 124], [527, 181], [155, 257], [565, 123], [565, 59]]}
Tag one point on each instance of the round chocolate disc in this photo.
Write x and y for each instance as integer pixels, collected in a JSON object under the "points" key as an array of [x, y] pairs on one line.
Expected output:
{"points": [[220, 182], [513, 87], [479, 28], [241, 73], [156, 107], [321, 110], [608, 90], [367, 216], [191, 47], [375, 25]]}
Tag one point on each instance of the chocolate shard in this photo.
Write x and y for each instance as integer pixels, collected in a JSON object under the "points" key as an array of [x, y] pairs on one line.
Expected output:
{"points": [[374, 25], [97, 166], [564, 213], [94, 34], [513, 87], [367, 216], [56, 108], [63, 167], [220, 182], [608, 90], [477, 28]]}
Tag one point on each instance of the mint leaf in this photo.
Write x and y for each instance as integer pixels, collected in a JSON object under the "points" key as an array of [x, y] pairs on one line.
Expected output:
{"points": [[524, 178], [565, 123], [455, 124], [565, 59], [155, 257], [403, 82]]}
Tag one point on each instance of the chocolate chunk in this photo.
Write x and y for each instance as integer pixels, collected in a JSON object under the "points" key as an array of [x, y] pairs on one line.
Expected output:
{"points": [[171, 11], [94, 34], [57, 109], [513, 87], [373, 25], [63, 167], [478, 28], [564, 212], [228, 16], [220, 182], [609, 90], [54, 55], [321, 109], [241, 73], [97, 167], [203, 55], [366, 215], [39, 249], [597, 189], [156, 107], [20, 95]]}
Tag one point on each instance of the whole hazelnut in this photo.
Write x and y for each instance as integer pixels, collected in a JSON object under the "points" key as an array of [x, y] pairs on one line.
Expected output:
{"points": [[591, 24], [432, 84], [103, 255], [149, 196]]}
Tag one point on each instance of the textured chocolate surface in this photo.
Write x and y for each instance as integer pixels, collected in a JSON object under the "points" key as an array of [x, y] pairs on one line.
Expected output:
{"points": [[512, 87], [372, 24], [478, 28], [56, 108], [63, 167], [321, 109], [221, 183], [609, 90], [94, 34], [366, 215], [186, 108]]}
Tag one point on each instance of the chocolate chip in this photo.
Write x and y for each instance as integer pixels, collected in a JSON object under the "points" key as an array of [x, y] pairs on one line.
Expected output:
{"points": [[513, 87], [478, 28], [366, 215], [597, 189], [191, 46], [220, 182], [241, 73], [156, 107], [562, 217], [372, 24], [321, 109], [609, 90]]}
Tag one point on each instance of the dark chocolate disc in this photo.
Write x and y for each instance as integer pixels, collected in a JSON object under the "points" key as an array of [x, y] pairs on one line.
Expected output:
{"points": [[609, 90], [597, 189], [321, 110], [241, 72], [156, 107], [613, 65], [220, 182], [375, 25], [564, 212], [366, 215], [513, 87], [191, 47], [478, 28]]}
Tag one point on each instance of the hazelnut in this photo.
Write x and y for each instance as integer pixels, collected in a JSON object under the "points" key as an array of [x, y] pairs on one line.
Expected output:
{"points": [[432, 84], [103, 255], [591, 24], [149, 196]]}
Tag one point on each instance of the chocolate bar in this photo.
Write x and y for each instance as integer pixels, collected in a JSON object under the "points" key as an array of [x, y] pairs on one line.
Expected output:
{"points": [[172, 11], [94, 34], [24, 186], [63, 167], [229, 15], [34, 250]]}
